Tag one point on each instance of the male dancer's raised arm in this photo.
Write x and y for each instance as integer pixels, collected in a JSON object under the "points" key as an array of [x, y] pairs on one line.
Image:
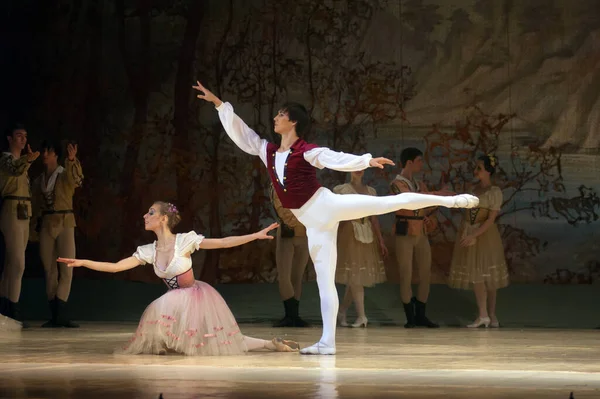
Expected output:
{"points": [[237, 130], [323, 157], [250, 142]]}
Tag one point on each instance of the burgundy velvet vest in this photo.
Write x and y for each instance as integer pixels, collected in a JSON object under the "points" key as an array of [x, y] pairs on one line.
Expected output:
{"points": [[300, 178]]}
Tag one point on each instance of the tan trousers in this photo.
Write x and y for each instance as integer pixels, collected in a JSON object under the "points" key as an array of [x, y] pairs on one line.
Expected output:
{"points": [[291, 255], [413, 250], [16, 235], [58, 275]]}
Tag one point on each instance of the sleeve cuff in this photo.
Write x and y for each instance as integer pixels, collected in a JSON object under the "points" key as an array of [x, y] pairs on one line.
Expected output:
{"points": [[368, 158]]}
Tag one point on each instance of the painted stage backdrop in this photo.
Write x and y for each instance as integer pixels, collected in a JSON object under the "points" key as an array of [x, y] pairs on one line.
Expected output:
{"points": [[457, 79]]}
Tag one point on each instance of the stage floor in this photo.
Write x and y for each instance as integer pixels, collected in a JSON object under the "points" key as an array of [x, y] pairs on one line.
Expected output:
{"points": [[380, 362]]}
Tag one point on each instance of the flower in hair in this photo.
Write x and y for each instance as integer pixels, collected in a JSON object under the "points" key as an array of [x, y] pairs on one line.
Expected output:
{"points": [[172, 208], [493, 160]]}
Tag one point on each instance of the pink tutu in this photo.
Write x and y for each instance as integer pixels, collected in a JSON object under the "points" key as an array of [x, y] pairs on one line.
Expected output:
{"points": [[193, 321]]}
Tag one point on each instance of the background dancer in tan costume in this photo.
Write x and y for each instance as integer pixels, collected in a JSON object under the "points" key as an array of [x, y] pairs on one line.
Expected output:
{"points": [[412, 243], [53, 194], [14, 217], [291, 258]]}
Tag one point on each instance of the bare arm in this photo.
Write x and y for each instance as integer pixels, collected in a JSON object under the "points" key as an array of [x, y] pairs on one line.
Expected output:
{"points": [[496, 203], [376, 228], [235, 241], [487, 224], [107, 267], [468, 240]]}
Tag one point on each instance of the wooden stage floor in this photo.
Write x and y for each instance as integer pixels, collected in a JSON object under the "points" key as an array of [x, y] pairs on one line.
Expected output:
{"points": [[381, 362]]}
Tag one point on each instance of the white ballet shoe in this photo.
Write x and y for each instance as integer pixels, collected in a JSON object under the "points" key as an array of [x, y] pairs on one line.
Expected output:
{"points": [[465, 201], [318, 349]]}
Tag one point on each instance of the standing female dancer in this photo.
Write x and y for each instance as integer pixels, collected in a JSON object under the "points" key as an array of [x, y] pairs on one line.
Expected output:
{"points": [[478, 261], [291, 167], [191, 318], [360, 251]]}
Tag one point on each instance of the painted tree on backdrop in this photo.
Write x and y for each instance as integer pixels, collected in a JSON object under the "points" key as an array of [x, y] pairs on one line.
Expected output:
{"points": [[146, 157], [72, 51], [350, 93], [248, 61], [530, 175]]}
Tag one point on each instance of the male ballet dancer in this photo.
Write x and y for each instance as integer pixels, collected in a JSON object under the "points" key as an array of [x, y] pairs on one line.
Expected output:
{"points": [[15, 212], [291, 256], [291, 167], [52, 194], [412, 242]]}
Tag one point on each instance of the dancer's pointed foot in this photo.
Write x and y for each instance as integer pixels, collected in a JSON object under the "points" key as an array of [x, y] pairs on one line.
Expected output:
{"points": [[283, 345], [318, 349]]}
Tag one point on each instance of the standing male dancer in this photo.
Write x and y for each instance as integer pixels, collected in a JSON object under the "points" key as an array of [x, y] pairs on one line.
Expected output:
{"points": [[412, 243], [53, 192], [291, 256], [14, 217], [291, 167]]}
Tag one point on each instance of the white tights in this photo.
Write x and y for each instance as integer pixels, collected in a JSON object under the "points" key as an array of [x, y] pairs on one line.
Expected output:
{"points": [[322, 214]]}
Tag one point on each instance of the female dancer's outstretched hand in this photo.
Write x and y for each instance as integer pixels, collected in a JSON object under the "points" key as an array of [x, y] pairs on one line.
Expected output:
{"points": [[379, 162], [263, 234], [70, 262], [206, 94]]}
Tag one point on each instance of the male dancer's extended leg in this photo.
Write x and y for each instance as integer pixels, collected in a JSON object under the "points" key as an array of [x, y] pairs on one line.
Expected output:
{"points": [[321, 218], [322, 246], [353, 206]]}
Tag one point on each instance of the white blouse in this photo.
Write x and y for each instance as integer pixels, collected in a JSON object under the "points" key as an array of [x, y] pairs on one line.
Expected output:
{"points": [[180, 263], [251, 143]]}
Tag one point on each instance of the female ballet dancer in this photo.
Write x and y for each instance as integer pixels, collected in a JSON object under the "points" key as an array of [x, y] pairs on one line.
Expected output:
{"points": [[291, 167], [191, 318]]}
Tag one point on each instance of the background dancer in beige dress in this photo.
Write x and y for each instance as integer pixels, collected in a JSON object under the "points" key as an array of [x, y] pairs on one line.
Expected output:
{"points": [[360, 250], [478, 261]]}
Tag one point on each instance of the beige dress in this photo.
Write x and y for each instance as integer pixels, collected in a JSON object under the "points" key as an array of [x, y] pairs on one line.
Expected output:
{"points": [[359, 258], [483, 261]]}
